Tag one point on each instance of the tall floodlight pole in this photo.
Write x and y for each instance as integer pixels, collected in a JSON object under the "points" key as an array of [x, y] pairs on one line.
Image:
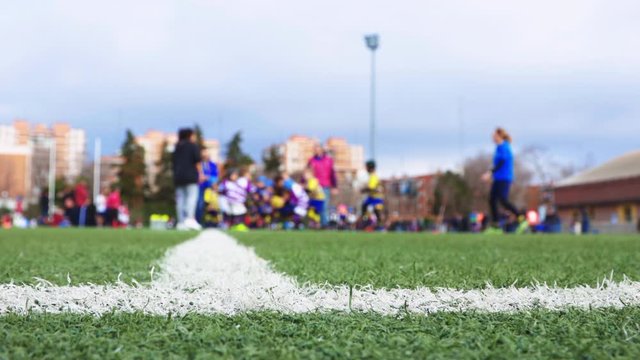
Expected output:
{"points": [[372, 41], [97, 153], [52, 175]]}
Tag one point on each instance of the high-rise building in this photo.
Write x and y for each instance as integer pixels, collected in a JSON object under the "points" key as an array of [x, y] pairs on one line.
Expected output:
{"points": [[153, 142], [69, 145], [15, 170], [294, 153], [348, 159]]}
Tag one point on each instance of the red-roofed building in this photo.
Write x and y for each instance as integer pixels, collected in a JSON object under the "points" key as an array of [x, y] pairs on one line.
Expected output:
{"points": [[610, 193]]}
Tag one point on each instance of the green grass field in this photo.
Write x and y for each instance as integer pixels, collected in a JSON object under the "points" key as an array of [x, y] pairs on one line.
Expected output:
{"points": [[88, 256], [458, 261], [383, 260], [572, 334]]}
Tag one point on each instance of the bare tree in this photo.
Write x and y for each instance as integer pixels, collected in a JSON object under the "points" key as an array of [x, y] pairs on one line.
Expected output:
{"points": [[477, 165]]}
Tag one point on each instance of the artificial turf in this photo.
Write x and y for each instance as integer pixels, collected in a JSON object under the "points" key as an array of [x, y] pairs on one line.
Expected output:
{"points": [[597, 334], [460, 261], [86, 255]]}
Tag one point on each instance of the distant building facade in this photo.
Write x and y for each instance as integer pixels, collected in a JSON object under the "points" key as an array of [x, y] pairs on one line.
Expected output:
{"points": [[15, 171], [410, 197], [69, 145], [153, 142], [609, 194]]}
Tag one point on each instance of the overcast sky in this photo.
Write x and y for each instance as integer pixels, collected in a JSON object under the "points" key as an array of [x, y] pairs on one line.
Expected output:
{"points": [[564, 75]]}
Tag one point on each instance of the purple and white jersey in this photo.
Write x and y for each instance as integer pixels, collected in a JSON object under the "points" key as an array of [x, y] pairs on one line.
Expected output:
{"points": [[299, 197], [235, 191]]}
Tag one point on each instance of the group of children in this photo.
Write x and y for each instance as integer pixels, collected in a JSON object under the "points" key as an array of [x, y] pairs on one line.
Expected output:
{"points": [[239, 202]]}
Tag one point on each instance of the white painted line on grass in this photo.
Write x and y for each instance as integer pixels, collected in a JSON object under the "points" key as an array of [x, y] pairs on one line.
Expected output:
{"points": [[213, 274]]}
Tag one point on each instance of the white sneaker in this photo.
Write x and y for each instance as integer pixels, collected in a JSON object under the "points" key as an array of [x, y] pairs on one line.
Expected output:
{"points": [[181, 227], [192, 224]]}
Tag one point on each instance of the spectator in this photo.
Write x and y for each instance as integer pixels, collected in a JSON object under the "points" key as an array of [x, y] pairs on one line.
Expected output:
{"points": [[82, 215], [187, 174], [210, 172], [68, 203], [101, 207], [44, 203], [323, 169], [113, 205]]}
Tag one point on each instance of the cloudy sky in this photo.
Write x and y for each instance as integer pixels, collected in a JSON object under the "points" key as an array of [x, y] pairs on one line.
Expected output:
{"points": [[563, 75]]}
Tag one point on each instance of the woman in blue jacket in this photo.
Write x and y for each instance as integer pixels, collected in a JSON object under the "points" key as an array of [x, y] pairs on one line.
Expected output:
{"points": [[502, 175]]}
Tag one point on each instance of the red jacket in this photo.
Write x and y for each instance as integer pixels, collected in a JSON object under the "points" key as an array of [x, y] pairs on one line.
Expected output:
{"points": [[81, 195], [113, 200], [323, 170]]}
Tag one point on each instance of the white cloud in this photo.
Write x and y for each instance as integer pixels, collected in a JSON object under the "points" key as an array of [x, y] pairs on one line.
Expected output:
{"points": [[538, 67]]}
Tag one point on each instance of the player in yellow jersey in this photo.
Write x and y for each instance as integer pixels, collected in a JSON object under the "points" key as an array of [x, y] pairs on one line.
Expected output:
{"points": [[374, 203], [316, 196], [211, 217]]}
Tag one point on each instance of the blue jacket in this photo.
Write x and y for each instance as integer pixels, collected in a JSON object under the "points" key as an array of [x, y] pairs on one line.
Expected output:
{"points": [[210, 170], [503, 163]]}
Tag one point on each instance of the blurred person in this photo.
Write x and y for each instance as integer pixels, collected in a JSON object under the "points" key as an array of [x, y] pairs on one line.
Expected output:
{"points": [[187, 175], [502, 176], [124, 217], [81, 193], [374, 202], [262, 199], [316, 197], [296, 200], [101, 207], [114, 202], [84, 216], [210, 173], [322, 166], [235, 191], [68, 203], [211, 217], [43, 204]]}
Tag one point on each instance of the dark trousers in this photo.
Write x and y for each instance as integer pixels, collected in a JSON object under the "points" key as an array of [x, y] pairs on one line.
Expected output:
{"points": [[500, 195]]}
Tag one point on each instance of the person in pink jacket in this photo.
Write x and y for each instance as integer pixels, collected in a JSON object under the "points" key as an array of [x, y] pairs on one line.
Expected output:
{"points": [[322, 166]]}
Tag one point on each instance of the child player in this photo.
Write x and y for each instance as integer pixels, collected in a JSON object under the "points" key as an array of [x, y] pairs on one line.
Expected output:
{"points": [[296, 200], [234, 196], [211, 217], [316, 197], [375, 199]]}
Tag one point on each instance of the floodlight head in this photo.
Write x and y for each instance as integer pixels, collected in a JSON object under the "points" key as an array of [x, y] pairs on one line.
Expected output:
{"points": [[372, 41]]}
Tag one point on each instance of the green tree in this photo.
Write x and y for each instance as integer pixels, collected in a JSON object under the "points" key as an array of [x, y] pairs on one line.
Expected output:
{"points": [[236, 157], [131, 175], [165, 188], [272, 162], [451, 195]]}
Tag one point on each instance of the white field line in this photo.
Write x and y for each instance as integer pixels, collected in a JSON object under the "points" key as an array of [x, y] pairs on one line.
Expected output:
{"points": [[213, 274]]}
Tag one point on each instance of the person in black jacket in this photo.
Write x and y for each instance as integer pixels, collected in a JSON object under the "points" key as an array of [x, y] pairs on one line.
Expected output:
{"points": [[187, 174]]}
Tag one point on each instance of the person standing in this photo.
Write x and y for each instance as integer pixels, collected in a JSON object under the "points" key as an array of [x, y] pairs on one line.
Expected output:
{"points": [[43, 202], [323, 169], [101, 207], [114, 202], [81, 198], [187, 174], [503, 176], [210, 172]]}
